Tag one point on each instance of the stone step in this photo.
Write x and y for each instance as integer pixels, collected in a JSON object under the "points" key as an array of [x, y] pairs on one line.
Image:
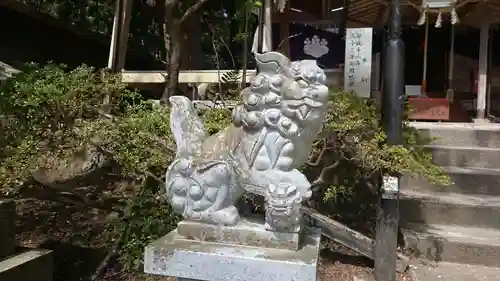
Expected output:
{"points": [[460, 134], [448, 271], [30, 265], [7, 228], [449, 208], [471, 181], [466, 156], [451, 243]]}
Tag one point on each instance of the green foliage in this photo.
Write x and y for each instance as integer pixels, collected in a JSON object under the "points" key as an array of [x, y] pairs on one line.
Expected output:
{"points": [[50, 114], [147, 219], [353, 126], [41, 112], [146, 26], [352, 154], [216, 119], [95, 15]]}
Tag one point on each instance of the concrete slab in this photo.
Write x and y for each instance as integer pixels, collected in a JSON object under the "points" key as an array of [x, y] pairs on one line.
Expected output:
{"points": [[453, 272], [31, 265], [172, 255], [248, 232]]}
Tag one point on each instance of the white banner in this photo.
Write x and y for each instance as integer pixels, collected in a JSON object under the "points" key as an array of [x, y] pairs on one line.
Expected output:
{"points": [[358, 61]]}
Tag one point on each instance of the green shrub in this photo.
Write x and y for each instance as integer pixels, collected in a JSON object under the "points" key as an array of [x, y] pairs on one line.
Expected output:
{"points": [[51, 118], [352, 154]]}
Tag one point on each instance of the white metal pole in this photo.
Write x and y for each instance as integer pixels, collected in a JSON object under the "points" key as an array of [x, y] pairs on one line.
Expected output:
{"points": [[268, 23], [483, 65], [114, 37]]}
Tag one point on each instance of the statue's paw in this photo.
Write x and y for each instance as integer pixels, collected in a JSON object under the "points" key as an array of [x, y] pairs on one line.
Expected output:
{"points": [[227, 216], [268, 227], [307, 195], [296, 229]]}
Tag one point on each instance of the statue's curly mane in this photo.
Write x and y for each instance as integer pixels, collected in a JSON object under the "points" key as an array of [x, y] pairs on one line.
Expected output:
{"points": [[280, 115]]}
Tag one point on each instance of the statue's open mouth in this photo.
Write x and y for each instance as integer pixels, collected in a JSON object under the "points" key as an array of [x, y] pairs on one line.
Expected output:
{"points": [[280, 209], [304, 107], [303, 111]]}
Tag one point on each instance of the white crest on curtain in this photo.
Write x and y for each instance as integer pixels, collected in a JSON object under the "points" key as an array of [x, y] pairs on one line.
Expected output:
{"points": [[265, 44], [316, 47]]}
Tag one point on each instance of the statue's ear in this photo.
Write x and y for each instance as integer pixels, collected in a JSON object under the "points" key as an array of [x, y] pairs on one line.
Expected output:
{"points": [[272, 62]]}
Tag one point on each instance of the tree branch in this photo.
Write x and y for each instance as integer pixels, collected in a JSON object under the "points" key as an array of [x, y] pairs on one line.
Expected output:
{"points": [[320, 155], [193, 9], [111, 253], [63, 189], [317, 184]]}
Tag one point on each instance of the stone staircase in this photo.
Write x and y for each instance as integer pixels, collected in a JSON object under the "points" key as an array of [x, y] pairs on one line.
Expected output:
{"points": [[20, 264], [459, 223]]}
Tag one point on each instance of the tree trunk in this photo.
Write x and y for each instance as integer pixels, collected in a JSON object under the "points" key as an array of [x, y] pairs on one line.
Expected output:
{"points": [[174, 62], [161, 21], [193, 41], [176, 31]]}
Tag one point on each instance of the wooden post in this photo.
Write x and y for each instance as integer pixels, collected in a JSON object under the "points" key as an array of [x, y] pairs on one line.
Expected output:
{"points": [[423, 88], [483, 66], [119, 37], [451, 58], [285, 34], [386, 237], [488, 81], [124, 34]]}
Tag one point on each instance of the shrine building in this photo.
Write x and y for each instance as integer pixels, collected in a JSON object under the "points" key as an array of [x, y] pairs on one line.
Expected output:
{"points": [[452, 67]]}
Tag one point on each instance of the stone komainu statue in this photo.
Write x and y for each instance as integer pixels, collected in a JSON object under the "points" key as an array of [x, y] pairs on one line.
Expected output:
{"points": [[271, 136]]}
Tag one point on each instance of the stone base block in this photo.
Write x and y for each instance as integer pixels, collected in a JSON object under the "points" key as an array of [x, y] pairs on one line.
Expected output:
{"points": [[31, 265], [248, 232], [173, 255]]}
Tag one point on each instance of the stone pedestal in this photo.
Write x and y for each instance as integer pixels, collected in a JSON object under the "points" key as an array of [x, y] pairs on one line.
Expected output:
{"points": [[245, 252], [248, 232]]}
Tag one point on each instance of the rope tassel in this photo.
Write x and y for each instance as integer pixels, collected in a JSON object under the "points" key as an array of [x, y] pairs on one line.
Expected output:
{"points": [[423, 17], [454, 17], [439, 20]]}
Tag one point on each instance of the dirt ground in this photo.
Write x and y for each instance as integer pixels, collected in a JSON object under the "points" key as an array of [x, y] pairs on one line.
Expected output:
{"points": [[76, 238]]}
